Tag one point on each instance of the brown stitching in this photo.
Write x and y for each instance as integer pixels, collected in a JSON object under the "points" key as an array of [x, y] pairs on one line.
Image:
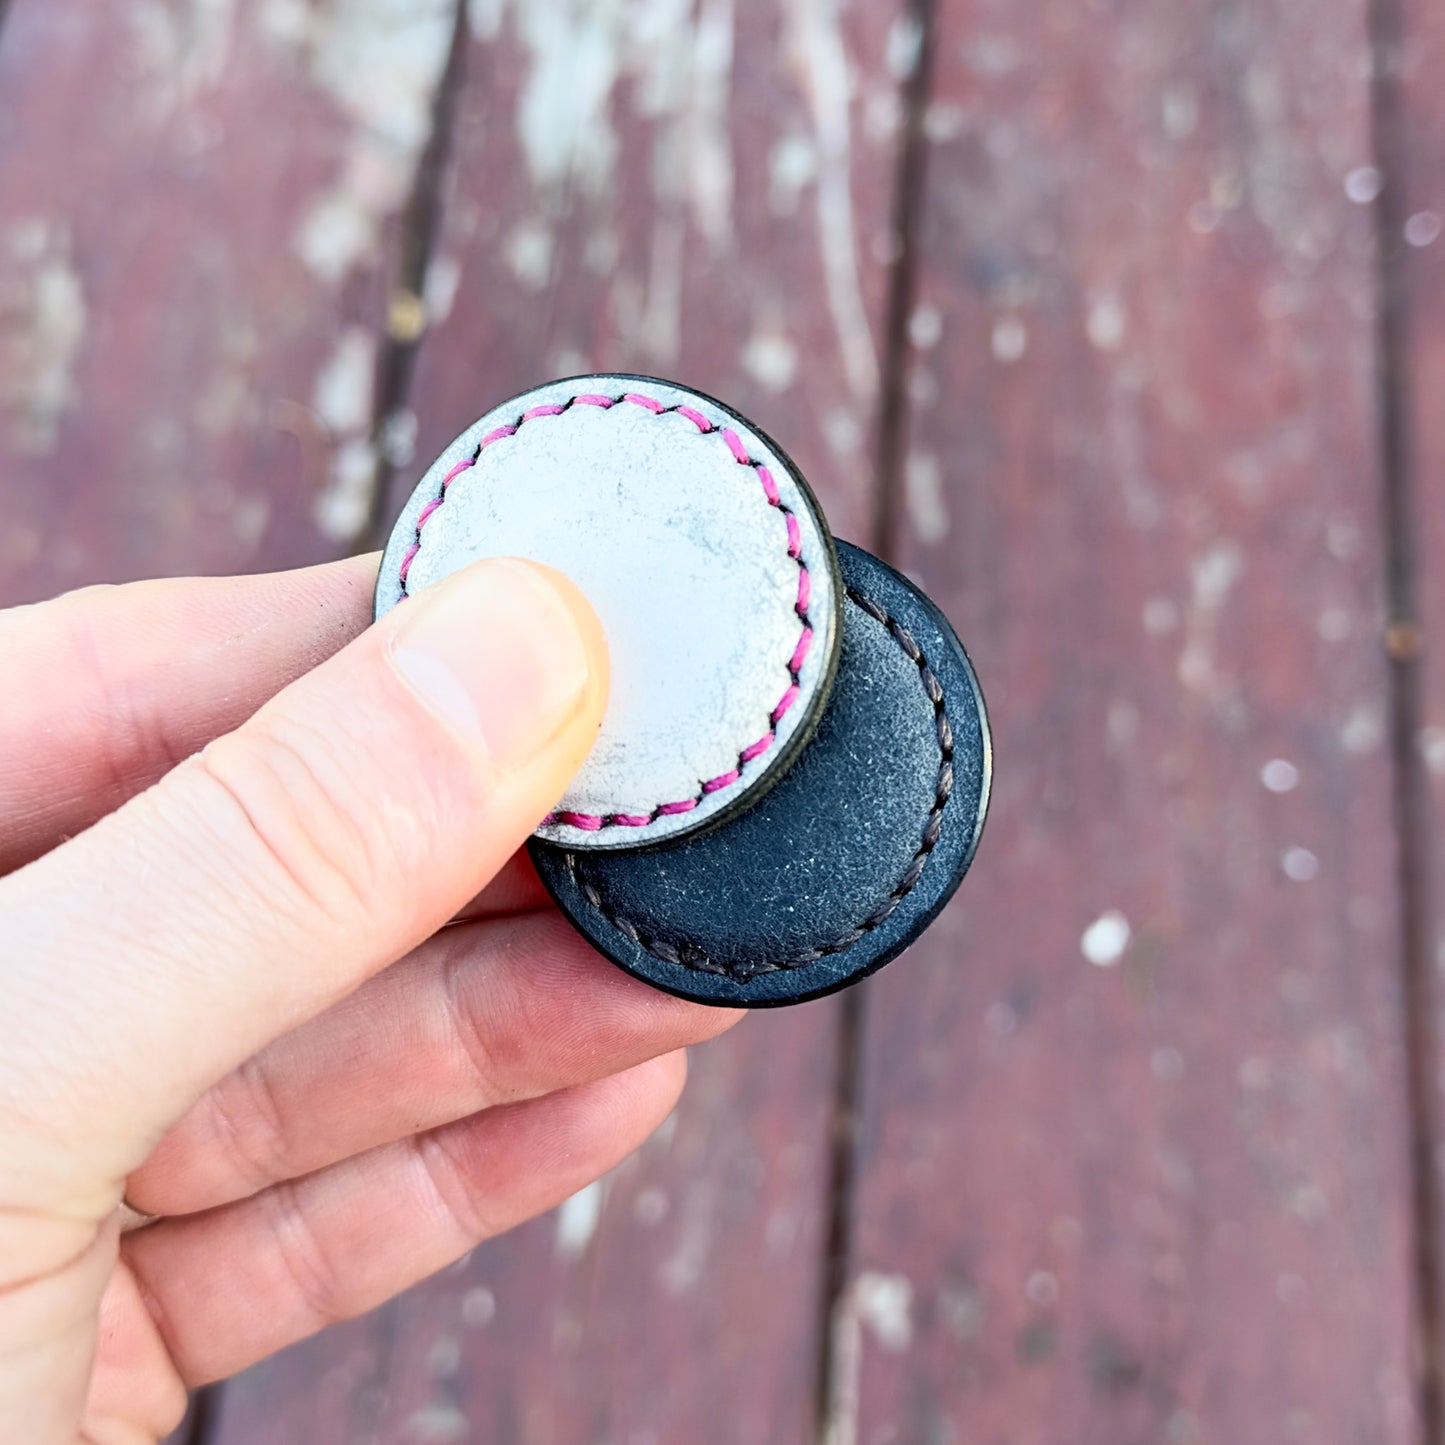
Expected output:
{"points": [[689, 955]]}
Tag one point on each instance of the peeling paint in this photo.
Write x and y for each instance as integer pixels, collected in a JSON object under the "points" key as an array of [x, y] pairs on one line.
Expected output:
{"points": [[43, 319], [924, 496], [1214, 574], [381, 62], [577, 1220], [344, 388], [529, 254], [1105, 939], [770, 359], [792, 166], [180, 50], [342, 507], [884, 1303], [815, 44]]}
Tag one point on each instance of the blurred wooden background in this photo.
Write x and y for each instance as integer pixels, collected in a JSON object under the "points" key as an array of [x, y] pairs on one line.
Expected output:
{"points": [[1121, 325]]}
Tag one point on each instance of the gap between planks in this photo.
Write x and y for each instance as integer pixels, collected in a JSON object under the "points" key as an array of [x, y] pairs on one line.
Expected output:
{"points": [[1403, 644], [837, 1367], [405, 324]]}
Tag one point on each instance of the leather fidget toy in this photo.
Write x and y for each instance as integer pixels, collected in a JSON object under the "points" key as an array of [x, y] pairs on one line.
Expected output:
{"points": [[793, 771]]}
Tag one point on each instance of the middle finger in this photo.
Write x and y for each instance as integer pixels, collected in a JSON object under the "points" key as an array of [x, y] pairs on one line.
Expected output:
{"points": [[484, 1013]]}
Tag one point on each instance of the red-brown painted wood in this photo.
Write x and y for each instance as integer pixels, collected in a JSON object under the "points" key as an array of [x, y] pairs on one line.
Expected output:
{"points": [[1414, 247], [1153, 1189], [706, 195], [195, 205]]}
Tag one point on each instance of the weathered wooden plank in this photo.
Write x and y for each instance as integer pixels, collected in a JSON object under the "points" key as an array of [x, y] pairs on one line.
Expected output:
{"points": [[703, 191], [1412, 121], [1133, 1152], [195, 206]]}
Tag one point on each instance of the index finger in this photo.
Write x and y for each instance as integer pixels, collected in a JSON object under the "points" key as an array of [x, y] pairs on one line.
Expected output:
{"points": [[109, 688]]}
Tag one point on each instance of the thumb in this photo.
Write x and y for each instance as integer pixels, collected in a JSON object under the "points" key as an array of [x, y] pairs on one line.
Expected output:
{"points": [[274, 871]]}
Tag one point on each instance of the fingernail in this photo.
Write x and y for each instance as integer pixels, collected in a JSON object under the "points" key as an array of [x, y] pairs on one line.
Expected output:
{"points": [[496, 650]]}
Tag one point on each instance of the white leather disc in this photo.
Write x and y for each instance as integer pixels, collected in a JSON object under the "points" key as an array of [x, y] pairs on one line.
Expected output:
{"points": [[707, 562]]}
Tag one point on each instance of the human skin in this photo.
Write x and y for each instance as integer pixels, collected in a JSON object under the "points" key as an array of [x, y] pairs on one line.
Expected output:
{"points": [[276, 974]]}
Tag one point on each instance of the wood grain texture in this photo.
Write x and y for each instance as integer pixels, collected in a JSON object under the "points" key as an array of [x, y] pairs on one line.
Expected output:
{"points": [[196, 207], [1133, 1156], [705, 192]]}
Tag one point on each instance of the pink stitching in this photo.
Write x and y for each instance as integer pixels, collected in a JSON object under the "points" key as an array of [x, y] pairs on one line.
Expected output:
{"points": [[594, 822]]}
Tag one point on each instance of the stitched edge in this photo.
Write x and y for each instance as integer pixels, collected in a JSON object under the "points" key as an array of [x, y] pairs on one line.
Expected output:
{"points": [[596, 822], [691, 956]]}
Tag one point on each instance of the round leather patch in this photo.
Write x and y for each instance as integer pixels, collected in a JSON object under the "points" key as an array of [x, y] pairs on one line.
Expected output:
{"points": [[845, 861], [707, 559]]}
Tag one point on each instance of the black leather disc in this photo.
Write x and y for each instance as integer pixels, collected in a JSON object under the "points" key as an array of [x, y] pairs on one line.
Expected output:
{"points": [[850, 855]]}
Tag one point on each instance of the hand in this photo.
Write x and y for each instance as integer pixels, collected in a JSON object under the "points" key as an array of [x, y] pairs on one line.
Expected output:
{"points": [[202, 1011]]}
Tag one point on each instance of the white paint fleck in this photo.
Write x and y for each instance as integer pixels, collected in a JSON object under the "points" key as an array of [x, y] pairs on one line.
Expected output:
{"points": [[925, 326], [1432, 748], [1105, 939], [398, 437], [924, 497], [1299, 864], [181, 50], [905, 44], [1334, 624], [284, 23], [577, 1220], [884, 1303], [1342, 538], [336, 233], [650, 1207], [439, 291], [816, 50], [792, 165], [563, 120], [343, 393], [1202, 218], [1279, 775], [437, 1423], [43, 318], [1161, 616], [943, 122], [771, 359], [1042, 1288], [529, 254], [342, 507], [1105, 322], [842, 431], [1215, 574], [479, 1306], [1363, 185], [1363, 730], [1180, 112], [1423, 228], [380, 61], [710, 160], [683, 1270], [444, 1358], [1009, 340]]}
